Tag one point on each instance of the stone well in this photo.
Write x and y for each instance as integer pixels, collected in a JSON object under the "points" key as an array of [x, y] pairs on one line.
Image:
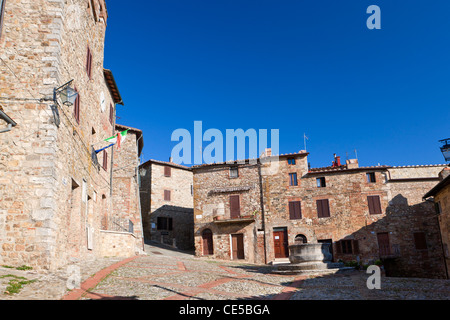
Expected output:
{"points": [[310, 258]]}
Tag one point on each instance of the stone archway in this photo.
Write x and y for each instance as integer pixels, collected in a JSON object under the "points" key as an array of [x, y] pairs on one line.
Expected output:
{"points": [[300, 238]]}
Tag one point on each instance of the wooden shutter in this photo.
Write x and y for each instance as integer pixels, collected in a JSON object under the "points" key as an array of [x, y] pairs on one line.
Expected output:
{"points": [[338, 247], [167, 195], [374, 204], [419, 241], [235, 210], [355, 246], [323, 208], [295, 210], [105, 160], [89, 63], [111, 113], [167, 171], [76, 107]]}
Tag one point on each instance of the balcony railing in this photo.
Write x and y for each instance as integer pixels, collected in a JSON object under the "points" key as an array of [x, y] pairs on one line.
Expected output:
{"points": [[118, 224]]}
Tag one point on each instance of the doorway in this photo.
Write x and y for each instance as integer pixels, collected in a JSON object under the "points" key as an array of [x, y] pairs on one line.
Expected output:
{"points": [[237, 246], [280, 243], [207, 242]]}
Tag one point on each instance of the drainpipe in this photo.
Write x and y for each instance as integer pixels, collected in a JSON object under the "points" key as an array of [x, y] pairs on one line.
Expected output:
{"points": [[261, 195]]}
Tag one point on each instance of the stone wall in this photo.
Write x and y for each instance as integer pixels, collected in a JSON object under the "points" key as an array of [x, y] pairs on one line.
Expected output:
{"points": [[403, 213], [53, 195], [154, 183]]}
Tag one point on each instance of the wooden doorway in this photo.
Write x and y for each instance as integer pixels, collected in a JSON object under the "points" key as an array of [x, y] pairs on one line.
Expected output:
{"points": [[383, 244], [237, 246], [280, 243], [207, 242]]}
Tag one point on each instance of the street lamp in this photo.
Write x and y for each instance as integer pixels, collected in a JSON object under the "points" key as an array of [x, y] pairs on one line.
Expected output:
{"points": [[445, 149], [67, 94]]}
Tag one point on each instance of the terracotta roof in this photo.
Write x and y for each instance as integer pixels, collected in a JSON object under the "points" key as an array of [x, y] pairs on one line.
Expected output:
{"points": [[249, 161], [166, 163], [344, 168], [112, 86], [437, 188]]}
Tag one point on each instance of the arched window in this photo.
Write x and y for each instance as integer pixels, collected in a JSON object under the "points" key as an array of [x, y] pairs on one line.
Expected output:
{"points": [[207, 242], [300, 238]]}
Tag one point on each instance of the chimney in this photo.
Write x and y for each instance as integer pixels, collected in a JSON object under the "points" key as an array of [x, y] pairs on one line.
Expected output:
{"points": [[352, 163], [170, 159], [444, 173], [267, 152], [337, 161]]}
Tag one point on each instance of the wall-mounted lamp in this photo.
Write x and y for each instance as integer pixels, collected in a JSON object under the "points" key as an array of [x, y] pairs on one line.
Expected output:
{"points": [[67, 94], [445, 149]]}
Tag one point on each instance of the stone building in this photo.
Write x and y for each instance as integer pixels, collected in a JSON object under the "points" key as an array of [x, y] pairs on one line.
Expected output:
{"points": [[441, 195], [255, 210], [126, 213], [167, 203], [54, 189]]}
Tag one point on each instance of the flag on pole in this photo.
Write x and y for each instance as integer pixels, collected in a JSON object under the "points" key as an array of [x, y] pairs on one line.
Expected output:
{"points": [[118, 138], [115, 139]]}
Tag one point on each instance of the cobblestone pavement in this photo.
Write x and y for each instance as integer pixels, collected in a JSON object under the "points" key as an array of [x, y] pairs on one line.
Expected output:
{"points": [[171, 275]]}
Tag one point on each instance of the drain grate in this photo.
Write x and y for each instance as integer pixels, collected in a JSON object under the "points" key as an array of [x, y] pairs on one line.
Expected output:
{"points": [[156, 252]]}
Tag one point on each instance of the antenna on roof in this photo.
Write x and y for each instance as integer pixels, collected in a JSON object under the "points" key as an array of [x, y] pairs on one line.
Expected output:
{"points": [[356, 154], [304, 140]]}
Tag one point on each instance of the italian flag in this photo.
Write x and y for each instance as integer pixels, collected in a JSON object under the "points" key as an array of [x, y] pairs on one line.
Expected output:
{"points": [[118, 138]]}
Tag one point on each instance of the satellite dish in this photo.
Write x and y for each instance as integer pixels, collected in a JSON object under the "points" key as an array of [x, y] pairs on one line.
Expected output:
{"points": [[102, 101]]}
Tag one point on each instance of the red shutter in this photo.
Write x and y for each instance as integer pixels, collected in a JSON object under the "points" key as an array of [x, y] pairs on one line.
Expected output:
{"points": [[167, 171], [76, 107], [167, 195], [235, 210], [295, 210], [323, 208], [111, 113], [374, 204], [291, 210], [105, 160]]}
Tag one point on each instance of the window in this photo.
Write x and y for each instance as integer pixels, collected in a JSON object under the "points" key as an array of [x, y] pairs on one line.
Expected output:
{"points": [[167, 195], [234, 172], [419, 241], [89, 63], [235, 208], [295, 210], [167, 171], [76, 107], [111, 113], [371, 177], [437, 207], [374, 204], [2, 9], [321, 182], [293, 179], [347, 247], [105, 160], [164, 223], [291, 161], [323, 208]]}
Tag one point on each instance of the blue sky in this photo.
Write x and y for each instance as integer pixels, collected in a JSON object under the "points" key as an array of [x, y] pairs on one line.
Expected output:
{"points": [[300, 66]]}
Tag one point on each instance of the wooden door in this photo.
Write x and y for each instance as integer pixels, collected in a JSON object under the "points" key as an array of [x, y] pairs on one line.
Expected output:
{"points": [[235, 208], [207, 242], [237, 245], [280, 243], [383, 244]]}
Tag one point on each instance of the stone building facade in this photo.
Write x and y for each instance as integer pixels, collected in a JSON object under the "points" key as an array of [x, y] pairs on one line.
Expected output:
{"points": [[367, 213], [126, 213], [53, 190], [167, 203], [441, 196]]}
